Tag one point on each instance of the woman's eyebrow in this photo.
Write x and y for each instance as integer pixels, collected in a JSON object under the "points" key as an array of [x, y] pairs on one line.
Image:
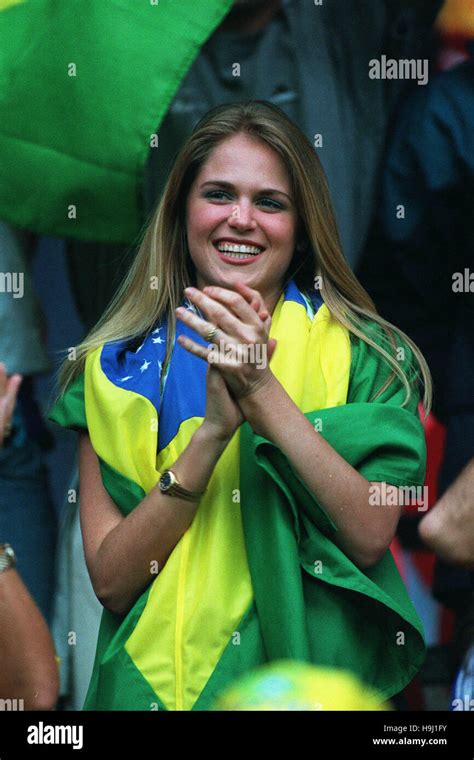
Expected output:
{"points": [[230, 186]]}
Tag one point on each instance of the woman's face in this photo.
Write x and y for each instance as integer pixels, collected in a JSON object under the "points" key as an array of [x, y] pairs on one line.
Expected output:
{"points": [[242, 197]]}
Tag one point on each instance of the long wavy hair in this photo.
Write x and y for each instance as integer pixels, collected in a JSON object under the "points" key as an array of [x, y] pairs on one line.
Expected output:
{"points": [[163, 267]]}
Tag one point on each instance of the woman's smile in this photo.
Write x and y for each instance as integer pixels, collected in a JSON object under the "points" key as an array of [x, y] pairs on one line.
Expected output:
{"points": [[235, 251]]}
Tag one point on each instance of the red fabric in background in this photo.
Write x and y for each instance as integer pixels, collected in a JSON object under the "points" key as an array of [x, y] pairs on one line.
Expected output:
{"points": [[435, 434], [424, 561]]}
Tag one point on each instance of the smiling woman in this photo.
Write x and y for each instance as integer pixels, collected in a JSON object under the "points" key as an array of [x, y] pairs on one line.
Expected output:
{"points": [[228, 496], [252, 233]]}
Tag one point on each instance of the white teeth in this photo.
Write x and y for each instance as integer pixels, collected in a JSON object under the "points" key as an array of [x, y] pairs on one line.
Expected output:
{"points": [[240, 255], [235, 249]]}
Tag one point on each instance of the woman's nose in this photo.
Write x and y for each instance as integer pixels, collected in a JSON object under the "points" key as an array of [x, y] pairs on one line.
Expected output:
{"points": [[242, 216]]}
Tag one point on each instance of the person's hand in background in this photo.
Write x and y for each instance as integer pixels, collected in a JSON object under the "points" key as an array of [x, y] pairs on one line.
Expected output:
{"points": [[28, 667], [9, 387], [448, 528]]}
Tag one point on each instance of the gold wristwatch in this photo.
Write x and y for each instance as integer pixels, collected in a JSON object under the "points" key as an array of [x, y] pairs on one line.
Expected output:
{"points": [[7, 557], [170, 485]]}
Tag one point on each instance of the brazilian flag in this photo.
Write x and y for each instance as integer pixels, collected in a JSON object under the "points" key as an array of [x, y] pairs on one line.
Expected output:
{"points": [[84, 84]]}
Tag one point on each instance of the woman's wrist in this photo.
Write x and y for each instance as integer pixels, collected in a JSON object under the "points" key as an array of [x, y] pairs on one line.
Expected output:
{"points": [[211, 434], [196, 464]]}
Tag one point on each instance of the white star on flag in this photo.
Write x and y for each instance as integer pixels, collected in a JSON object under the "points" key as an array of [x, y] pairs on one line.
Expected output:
{"points": [[158, 340], [129, 377], [144, 366], [139, 348], [160, 365], [157, 330]]}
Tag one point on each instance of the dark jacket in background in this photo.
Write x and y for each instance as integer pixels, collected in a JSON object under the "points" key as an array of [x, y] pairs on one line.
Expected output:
{"points": [[410, 263]]}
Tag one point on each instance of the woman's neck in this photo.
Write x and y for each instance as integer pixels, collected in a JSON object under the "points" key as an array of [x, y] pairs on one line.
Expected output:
{"points": [[271, 299]]}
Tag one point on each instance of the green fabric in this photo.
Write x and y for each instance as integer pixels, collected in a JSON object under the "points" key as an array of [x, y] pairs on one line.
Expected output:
{"points": [[324, 614], [122, 683], [84, 139], [69, 410], [334, 614], [125, 492], [240, 656]]}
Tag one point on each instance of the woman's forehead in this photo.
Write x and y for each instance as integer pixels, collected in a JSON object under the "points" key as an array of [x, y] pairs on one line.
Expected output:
{"points": [[241, 157]]}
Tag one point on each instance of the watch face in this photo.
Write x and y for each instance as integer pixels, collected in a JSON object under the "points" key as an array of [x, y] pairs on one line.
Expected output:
{"points": [[165, 481], [7, 556]]}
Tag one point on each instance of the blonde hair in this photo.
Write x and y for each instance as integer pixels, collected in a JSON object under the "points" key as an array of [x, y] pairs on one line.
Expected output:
{"points": [[163, 257]]}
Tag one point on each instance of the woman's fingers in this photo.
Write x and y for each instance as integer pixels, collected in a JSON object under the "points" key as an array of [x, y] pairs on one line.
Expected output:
{"points": [[254, 298], [228, 311], [200, 326], [256, 305], [245, 308], [256, 301], [271, 346]]}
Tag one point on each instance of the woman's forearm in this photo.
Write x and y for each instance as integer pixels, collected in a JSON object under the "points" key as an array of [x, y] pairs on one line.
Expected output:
{"points": [[133, 553], [364, 530]]}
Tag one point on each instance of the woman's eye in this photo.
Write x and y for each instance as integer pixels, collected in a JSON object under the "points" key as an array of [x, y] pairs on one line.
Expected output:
{"points": [[222, 195], [216, 194], [271, 203]]}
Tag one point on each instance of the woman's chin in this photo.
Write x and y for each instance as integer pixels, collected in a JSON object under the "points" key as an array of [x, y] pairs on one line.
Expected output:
{"points": [[229, 280]]}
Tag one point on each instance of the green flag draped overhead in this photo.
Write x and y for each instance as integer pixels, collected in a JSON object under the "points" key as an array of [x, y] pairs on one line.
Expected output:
{"points": [[83, 86], [257, 577]]}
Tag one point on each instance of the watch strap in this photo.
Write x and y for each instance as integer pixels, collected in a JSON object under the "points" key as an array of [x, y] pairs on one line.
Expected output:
{"points": [[176, 489], [183, 493]]}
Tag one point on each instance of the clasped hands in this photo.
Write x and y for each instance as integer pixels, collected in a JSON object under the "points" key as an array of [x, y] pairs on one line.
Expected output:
{"points": [[243, 322]]}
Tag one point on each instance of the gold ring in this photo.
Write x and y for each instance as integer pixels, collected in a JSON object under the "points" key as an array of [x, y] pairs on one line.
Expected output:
{"points": [[212, 332]]}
